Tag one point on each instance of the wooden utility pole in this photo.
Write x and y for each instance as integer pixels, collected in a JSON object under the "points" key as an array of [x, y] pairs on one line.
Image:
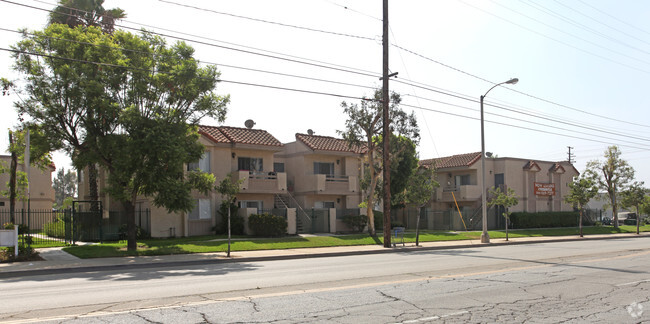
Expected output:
{"points": [[386, 104]]}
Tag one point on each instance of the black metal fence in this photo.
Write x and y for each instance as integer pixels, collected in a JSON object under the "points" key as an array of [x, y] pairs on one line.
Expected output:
{"points": [[56, 227]]}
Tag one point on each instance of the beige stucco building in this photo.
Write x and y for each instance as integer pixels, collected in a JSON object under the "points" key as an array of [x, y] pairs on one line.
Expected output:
{"points": [[322, 174], [42, 193], [540, 186]]}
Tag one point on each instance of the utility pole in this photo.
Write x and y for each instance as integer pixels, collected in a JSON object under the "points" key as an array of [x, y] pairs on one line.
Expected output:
{"points": [[386, 104], [571, 156]]}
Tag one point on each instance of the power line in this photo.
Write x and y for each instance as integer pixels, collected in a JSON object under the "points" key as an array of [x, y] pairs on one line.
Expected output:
{"points": [[267, 21], [613, 17], [350, 70], [147, 70], [521, 127]]}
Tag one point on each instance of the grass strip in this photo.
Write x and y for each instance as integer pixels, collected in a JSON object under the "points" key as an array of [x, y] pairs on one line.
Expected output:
{"points": [[207, 244]]}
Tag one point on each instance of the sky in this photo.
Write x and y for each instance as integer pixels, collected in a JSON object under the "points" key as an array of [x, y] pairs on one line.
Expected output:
{"points": [[583, 68]]}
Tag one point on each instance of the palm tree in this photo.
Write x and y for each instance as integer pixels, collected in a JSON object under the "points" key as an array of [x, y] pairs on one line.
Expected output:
{"points": [[86, 13]]}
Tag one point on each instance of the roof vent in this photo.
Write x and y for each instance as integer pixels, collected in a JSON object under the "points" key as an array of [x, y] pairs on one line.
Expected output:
{"points": [[310, 132], [249, 123]]}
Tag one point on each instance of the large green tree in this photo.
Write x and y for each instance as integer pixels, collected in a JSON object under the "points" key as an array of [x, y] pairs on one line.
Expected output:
{"points": [[127, 103], [581, 191], [634, 196], [363, 127], [612, 175], [86, 13]]}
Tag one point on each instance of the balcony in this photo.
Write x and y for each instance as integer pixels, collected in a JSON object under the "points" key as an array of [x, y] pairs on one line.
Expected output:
{"points": [[331, 184], [262, 182], [462, 193]]}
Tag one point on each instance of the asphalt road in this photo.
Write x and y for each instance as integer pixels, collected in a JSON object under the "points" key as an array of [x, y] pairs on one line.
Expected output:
{"points": [[604, 281]]}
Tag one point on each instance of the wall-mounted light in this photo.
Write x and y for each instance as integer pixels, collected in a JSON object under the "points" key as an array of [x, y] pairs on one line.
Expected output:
{"points": [[338, 161], [233, 155], [338, 200]]}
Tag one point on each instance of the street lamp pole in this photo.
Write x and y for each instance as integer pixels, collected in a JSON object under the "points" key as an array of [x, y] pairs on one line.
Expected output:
{"points": [[485, 237]]}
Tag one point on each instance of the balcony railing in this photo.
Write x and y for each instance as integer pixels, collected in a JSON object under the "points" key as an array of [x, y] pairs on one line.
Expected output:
{"points": [[262, 182]]}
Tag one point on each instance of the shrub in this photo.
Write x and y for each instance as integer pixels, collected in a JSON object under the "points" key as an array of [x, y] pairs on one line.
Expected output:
{"points": [[629, 221], [379, 220], [22, 228], [356, 222], [598, 224], [55, 229], [544, 219], [267, 225], [236, 221]]}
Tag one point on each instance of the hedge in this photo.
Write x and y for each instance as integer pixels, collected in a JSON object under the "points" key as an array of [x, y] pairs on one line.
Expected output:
{"points": [[267, 225], [544, 219]]}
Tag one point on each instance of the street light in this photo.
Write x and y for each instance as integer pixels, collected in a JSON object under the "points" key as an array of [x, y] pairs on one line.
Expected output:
{"points": [[485, 237]]}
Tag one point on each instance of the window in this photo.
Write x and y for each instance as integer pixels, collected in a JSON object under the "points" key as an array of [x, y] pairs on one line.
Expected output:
{"points": [[324, 168], [250, 164], [202, 210], [498, 179], [250, 204], [462, 180], [278, 167], [203, 164], [324, 204]]}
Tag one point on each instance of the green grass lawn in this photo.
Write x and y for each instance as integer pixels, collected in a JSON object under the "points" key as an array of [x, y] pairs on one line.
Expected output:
{"points": [[204, 244]]}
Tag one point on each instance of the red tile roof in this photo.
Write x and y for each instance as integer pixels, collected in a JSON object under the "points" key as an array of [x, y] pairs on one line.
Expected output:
{"points": [[453, 161], [236, 135], [327, 143]]}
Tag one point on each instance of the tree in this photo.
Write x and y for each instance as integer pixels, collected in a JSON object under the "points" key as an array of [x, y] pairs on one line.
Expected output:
{"points": [[65, 186], [363, 127], [420, 188], [229, 190], [134, 114], [506, 199], [634, 196], [581, 191], [612, 175], [86, 13], [403, 165], [40, 157]]}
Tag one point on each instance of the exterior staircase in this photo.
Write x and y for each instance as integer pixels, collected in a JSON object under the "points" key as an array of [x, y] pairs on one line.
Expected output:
{"points": [[303, 221]]}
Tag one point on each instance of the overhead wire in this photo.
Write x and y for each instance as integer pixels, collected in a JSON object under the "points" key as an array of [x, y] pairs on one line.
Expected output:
{"points": [[424, 57], [262, 85]]}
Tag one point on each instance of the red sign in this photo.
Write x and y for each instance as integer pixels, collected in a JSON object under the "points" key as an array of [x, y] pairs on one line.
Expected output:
{"points": [[544, 189]]}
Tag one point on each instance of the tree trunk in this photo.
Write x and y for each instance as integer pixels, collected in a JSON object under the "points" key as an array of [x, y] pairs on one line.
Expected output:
{"points": [[371, 196], [614, 209], [12, 181], [638, 219], [580, 222], [93, 190], [129, 208], [417, 227], [229, 205]]}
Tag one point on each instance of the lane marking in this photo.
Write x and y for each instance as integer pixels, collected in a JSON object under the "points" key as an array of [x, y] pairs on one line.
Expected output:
{"points": [[316, 290], [432, 318]]}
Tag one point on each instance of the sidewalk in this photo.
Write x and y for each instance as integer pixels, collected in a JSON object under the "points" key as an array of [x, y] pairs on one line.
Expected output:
{"points": [[57, 261]]}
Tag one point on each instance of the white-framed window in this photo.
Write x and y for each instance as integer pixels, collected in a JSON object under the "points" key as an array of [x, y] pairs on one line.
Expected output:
{"points": [[463, 180], [203, 164], [202, 210], [250, 164]]}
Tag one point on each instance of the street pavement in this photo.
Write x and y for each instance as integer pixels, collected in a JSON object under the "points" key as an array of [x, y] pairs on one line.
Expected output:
{"points": [[58, 261]]}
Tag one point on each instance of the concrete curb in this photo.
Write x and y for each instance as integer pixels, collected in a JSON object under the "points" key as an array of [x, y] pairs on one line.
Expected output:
{"points": [[306, 255]]}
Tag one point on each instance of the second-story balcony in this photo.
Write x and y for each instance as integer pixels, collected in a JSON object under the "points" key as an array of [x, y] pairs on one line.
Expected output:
{"points": [[262, 182], [462, 193], [330, 184]]}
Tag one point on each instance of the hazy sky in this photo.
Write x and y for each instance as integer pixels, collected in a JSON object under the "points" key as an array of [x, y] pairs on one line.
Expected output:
{"points": [[583, 66]]}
